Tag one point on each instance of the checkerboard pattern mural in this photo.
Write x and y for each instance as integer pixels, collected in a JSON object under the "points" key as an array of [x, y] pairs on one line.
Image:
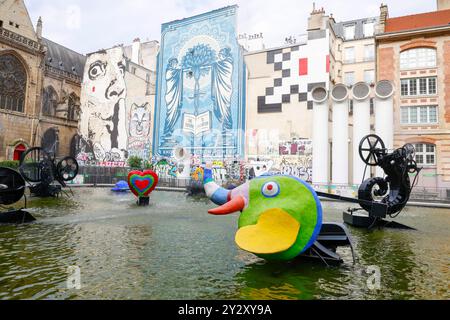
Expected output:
{"points": [[297, 71]]}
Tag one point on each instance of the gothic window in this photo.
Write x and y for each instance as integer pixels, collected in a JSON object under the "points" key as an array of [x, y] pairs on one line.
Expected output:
{"points": [[50, 102], [13, 81], [72, 113], [50, 142]]}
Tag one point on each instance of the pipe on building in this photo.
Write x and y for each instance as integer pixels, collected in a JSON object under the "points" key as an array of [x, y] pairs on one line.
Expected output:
{"points": [[340, 160], [361, 126], [320, 136], [384, 115]]}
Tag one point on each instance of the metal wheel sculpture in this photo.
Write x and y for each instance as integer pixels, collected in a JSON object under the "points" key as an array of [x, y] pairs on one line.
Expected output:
{"points": [[67, 169], [370, 149], [39, 167], [12, 189], [12, 186], [36, 165], [394, 190]]}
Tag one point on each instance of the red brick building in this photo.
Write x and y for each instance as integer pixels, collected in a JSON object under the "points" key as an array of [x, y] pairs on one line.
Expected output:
{"points": [[414, 52]]}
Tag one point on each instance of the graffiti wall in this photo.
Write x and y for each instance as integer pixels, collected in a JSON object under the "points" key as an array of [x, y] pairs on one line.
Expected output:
{"points": [[200, 101], [113, 125]]}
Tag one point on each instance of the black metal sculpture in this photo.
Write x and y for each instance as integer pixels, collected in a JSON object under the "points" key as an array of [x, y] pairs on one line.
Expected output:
{"points": [[384, 196], [40, 170], [12, 190]]}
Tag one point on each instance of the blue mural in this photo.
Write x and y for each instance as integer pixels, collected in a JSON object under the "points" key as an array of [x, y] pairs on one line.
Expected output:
{"points": [[200, 97]]}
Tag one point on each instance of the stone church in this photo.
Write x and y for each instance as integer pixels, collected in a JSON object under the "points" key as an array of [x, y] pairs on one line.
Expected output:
{"points": [[40, 87]]}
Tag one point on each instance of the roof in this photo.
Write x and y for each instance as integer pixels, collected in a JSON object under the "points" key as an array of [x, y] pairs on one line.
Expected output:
{"points": [[418, 21], [64, 59], [338, 28]]}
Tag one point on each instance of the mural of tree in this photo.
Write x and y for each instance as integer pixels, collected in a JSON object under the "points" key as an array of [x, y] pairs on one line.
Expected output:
{"points": [[198, 60]]}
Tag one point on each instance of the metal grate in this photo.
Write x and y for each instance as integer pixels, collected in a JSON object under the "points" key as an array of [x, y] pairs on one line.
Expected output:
{"points": [[361, 91], [384, 89], [319, 94], [340, 92]]}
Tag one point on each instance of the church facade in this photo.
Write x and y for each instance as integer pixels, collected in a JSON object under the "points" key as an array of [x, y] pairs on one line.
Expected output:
{"points": [[40, 86]]}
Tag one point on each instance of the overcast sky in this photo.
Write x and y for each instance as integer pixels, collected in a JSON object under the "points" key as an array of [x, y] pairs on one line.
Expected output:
{"points": [[89, 25]]}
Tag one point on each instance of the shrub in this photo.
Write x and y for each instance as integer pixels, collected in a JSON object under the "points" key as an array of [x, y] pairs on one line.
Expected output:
{"points": [[9, 164], [135, 162]]}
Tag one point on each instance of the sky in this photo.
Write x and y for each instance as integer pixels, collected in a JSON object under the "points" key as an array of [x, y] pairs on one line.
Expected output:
{"points": [[89, 25]]}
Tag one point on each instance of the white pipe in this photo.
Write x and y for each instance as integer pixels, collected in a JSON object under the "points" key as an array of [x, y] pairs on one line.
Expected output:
{"points": [[361, 127], [384, 115], [320, 136], [340, 135]]}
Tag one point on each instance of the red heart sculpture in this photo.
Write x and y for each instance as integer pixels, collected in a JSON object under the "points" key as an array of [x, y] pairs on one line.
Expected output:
{"points": [[142, 183]]}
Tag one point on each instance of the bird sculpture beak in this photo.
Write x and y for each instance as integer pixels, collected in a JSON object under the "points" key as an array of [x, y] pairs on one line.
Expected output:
{"points": [[237, 204]]}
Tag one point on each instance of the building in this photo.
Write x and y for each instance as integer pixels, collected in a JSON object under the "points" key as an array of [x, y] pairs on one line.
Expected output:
{"points": [[200, 93], [353, 51], [117, 104], [279, 112], [414, 53], [40, 87]]}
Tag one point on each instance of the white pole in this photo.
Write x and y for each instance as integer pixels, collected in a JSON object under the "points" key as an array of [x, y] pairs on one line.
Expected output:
{"points": [[320, 136], [361, 128], [340, 135], [384, 115]]}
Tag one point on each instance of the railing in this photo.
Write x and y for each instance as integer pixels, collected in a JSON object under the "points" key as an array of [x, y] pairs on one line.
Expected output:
{"points": [[110, 176], [423, 194], [20, 40]]}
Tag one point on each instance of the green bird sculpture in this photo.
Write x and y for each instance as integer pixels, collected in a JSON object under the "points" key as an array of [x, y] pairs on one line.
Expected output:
{"points": [[281, 216]]}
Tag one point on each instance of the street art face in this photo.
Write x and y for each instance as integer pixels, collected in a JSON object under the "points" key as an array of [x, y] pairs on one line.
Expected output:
{"points": [[140, 120], [200, 100], [103, 111], [106, 81]]}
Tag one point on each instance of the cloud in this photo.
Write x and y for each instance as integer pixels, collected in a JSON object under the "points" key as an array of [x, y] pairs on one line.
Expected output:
{"points": [[89, 25]]}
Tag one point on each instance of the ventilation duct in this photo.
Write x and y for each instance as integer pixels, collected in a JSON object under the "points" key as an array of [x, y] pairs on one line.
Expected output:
{"points": [[340, 159], [384, 114], [361, 126], [320, 136]]}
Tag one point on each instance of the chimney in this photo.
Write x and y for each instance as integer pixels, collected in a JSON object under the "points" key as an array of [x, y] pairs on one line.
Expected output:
{"points": [[443, 4], [384, 15], [135, 51], [317, 19], [39, 28]]}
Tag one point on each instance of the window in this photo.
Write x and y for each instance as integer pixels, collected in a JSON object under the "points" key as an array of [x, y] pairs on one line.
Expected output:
{"points": [[369, 76], [72, 113], [369, 52], [350, 55], [369, 29], [418, 58], [50, 102], [425, 154], [413, 87], [349, 32], [13, 80], [419, 115], [432, 86], [349, 78], [50, 141], [1, 24], [419, 86]]}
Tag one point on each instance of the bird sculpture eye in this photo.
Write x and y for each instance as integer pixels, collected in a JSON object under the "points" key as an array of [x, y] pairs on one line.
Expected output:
{"points": [[271, 190]]}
